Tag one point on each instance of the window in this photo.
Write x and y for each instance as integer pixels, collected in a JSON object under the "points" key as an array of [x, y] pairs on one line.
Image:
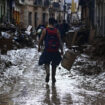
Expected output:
{"points": [[30, 18], [1, 9], [35, 19], [44, 17]]}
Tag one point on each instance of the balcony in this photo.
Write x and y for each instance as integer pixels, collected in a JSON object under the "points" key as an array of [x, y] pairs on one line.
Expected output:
{"points": [[42, 3], [21, 2], [46, 3], [56, 5], [38, 2]]}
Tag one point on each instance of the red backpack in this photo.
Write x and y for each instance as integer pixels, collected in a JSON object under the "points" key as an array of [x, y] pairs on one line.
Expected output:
{"points": [[51, 40]]}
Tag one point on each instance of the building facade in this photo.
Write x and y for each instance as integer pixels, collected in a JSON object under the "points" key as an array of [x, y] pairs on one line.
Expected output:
{"points": [[25, 12], [93, 12], [34, 12], [99, 20], [8, 10], [57, 9], [87, 11], [2, 9]]}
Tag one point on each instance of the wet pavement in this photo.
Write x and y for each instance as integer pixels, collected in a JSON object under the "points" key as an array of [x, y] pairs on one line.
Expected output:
{"points": [[23, 82]]}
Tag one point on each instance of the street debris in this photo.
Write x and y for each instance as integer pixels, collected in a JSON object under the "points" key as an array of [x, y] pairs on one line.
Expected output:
{"points": [[11, 37], [98, 48]]}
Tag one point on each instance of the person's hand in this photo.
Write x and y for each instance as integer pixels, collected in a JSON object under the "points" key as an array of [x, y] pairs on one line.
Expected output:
{"points": [[38, 49], [61, 52]]}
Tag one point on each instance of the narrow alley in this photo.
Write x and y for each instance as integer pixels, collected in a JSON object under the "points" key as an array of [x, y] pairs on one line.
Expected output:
{"points": [[69, 34]]}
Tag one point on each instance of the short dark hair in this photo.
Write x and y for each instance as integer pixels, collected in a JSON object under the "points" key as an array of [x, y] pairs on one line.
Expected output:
{"points": [[51, 21]]}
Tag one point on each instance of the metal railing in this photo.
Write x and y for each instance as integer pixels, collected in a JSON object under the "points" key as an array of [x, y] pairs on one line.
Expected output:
{"points": [[42, 3]]}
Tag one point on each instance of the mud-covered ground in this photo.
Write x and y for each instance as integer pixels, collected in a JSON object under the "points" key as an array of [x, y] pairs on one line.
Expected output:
{"points": [[22, 81]]}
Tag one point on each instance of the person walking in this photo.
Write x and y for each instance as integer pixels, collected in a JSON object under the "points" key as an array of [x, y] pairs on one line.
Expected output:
{"points": [[63, 28], [50, 54]]}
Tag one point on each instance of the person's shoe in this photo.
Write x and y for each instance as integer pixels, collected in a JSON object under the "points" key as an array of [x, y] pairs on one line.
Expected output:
{"points": [[47, 78]]}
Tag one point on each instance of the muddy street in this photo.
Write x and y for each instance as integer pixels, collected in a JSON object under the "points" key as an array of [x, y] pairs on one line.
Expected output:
{"points": [[22, 82]]}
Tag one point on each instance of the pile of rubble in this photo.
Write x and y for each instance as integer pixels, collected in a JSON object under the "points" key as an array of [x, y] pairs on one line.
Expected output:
{"points": [[97, 49], [11, 37]]}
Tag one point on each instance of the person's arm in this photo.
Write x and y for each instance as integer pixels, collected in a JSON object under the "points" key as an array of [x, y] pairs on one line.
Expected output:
{"points": [[61, 45], [41, 38]]}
